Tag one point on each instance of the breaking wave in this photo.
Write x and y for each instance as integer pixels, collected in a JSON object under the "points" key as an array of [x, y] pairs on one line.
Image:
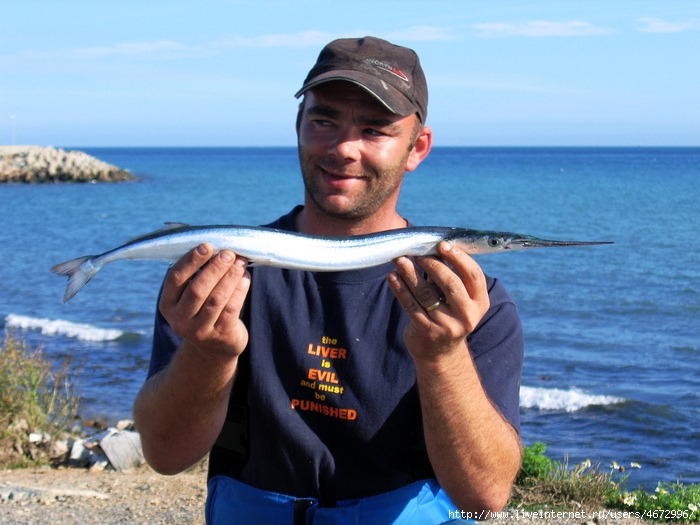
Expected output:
{"points": [[82, 332], [557, 399]]}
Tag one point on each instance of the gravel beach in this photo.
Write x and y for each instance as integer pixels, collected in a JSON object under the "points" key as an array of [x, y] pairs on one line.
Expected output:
{"points": [[78, 497]]}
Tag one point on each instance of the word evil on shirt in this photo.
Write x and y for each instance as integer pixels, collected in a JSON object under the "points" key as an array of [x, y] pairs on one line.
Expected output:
{"points": [[324, 381]]}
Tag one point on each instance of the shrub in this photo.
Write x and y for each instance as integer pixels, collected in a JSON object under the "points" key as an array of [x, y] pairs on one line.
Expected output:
{"points": [[542, 481], [535, 464], [37, 402]]}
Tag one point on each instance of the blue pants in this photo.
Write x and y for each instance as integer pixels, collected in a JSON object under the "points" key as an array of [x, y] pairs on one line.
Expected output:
{"points": [[231, 502]]}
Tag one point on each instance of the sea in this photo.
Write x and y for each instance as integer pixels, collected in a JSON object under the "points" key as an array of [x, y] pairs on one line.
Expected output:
{"points": [[612, 332]]}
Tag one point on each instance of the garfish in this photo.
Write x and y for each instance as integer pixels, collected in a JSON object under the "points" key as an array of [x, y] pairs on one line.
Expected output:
{"points": [[297, 251]]}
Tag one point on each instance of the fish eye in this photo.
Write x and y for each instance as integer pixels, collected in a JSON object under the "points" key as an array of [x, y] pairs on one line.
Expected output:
{"points": [[494, 241]]}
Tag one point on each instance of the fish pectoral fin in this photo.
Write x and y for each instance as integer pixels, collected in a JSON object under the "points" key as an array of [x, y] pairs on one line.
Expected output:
{"points": [[259, 261]]}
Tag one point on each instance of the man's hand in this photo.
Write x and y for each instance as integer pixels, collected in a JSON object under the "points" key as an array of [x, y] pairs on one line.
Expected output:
{"points": [[202, 300], [474, 451], [181, 409], [437, 328]]}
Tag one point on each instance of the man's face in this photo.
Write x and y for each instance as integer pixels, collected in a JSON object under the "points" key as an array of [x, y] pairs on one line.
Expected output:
{"points": [[353, 151]]}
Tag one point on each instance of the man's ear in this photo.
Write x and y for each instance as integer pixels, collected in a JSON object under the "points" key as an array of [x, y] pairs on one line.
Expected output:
{"points": [[424, 142]]}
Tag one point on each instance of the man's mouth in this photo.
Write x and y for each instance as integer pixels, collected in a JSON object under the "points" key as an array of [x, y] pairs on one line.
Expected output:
{"points": [[338, 177]]}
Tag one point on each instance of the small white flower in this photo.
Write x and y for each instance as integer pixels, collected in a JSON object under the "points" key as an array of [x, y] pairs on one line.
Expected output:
{"points": [[692, 507], [629, 499], [634, 464]]}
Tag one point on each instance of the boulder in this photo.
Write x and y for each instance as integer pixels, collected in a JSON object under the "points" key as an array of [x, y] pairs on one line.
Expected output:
{"points": [[112, 448], [123, 449]]}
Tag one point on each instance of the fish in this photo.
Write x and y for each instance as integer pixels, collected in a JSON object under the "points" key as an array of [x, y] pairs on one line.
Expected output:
{"points": [[297, 251]]}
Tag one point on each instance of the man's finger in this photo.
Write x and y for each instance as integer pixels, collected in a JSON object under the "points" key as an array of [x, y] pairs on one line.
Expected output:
{"points": [[197, 295], [422, 290], [404, 295], [182, 271], [228, 292], [469, 271]]}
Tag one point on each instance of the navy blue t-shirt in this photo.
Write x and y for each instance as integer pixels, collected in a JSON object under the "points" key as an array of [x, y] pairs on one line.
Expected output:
{"points": [[334, 408]]}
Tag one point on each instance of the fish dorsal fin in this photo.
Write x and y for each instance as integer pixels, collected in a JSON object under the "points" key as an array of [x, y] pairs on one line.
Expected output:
{"points": [[166, 227], [172, 226]]}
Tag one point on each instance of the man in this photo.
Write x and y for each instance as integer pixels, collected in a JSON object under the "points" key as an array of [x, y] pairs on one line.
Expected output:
{"points": [[387, 395]]}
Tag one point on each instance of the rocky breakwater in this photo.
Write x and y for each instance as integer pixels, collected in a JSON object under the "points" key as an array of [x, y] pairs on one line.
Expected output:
{"points": [[34, 164]]}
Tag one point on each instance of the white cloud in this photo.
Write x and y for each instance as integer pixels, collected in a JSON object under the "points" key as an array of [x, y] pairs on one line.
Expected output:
{"points": [[491, 82], [170, 50], [539, 28], [656, 25], [320, 38], [129, 48], [421, 34], [162, 49], [301, 39]]}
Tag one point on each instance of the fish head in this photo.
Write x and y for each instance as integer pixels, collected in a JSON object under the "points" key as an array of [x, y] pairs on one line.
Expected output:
{"points": [[481, 242], [514, 241], [494, 242]]}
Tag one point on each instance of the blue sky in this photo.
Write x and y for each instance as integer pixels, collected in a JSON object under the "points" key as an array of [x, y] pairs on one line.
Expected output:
{"points": [[223, 73]]}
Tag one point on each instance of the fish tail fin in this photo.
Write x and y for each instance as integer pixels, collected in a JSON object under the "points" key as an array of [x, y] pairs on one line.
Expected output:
{"points": [[79, 272]]}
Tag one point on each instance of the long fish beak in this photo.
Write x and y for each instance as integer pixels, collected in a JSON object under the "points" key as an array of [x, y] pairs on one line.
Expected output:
{"points": [[524, 242]]}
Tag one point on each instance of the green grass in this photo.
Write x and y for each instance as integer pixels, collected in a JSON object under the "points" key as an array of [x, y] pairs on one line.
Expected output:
{"points": [[35, 398], [669, 502], [547, 484]]}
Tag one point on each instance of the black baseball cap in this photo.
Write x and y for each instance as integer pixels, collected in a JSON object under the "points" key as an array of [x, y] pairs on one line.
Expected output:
{"points": [[391, 73]]}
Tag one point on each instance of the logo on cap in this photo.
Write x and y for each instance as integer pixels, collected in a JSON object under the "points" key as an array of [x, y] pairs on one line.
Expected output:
{"points": [[387, 67]]}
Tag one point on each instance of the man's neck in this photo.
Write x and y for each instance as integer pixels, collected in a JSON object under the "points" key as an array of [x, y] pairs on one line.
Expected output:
{"points": [[314, 222]]}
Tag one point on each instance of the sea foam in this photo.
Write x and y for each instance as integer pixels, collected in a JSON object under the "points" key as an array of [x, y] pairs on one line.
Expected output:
{"points": [[557, 399], [82, 332]]}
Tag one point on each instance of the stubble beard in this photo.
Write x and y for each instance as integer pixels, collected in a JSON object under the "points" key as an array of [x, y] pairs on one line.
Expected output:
{"points": [[380, 186]]}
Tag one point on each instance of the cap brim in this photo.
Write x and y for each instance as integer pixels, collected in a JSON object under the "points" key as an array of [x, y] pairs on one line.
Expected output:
{"points": [[385, 93]]}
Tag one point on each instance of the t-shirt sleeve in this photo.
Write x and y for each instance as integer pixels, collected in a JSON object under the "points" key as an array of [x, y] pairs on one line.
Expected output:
{"points": [[165, 343], [497, 347]]}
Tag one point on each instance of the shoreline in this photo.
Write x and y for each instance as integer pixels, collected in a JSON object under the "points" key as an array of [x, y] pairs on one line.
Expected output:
{"points": [[75, 497]]}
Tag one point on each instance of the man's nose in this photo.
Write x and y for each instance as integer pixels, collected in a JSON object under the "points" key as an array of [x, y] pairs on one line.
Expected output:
{"points": [[348, 144]]}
